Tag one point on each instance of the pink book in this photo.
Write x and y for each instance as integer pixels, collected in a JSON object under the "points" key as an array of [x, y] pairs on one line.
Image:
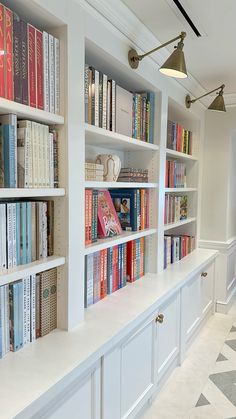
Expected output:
{"points": [[108, 222]]}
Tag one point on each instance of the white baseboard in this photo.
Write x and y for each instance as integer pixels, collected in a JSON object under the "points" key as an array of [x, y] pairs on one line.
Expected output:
{"points": [[224, 306]]}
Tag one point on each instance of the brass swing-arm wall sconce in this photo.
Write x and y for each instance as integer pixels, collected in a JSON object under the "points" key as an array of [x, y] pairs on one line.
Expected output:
{"points": [[218, 103], [174, 65]]}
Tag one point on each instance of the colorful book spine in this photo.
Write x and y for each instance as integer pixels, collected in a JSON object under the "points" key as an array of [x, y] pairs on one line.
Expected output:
{"points": [[17, 53], [31, 66], [8, 34], [24, 64], [2, 56], [39, 69]]}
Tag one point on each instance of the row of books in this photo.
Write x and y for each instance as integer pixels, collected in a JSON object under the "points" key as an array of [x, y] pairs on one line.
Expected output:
{"points": [[130, 174], [28, 310], [108, 270], [29, 63], [28, 154], [177, 247], [109, 106], [94, 171], [107, 213], [176, 208], [178, 138], [175, 176], [26, 232]]}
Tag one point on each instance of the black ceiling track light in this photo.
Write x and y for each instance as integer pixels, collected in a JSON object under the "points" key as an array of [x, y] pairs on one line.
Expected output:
{"points": [[187, 18]]}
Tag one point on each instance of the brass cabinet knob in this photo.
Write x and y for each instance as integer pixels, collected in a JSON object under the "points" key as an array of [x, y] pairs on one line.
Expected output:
{"points": [[160, 318], [204, 274]]}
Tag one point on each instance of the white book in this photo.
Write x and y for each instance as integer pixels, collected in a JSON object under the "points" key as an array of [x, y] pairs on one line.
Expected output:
{"points": [[9, 237], [108, 104], [24, 280], [44, 231], [57, 74], [28, 309], [32, 308], [51, 160], [104, 102], [113, 105], [34, 155], [51, 73], [96, 99], [13, 209], [7, 319], [124, 110], [26, 128], [46, 71], [41, 174]]}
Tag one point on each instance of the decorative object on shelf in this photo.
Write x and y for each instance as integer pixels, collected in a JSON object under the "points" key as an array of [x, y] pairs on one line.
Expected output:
{"points": [[174, 66], [218, 103], [112, 166], [94, 171]]}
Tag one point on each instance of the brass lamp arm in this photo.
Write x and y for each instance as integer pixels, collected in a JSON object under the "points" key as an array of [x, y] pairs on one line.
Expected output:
{"points": [[206, 94], [181, 36]]}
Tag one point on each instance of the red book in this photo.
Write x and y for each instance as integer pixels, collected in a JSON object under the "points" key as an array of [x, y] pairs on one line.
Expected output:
{"points": [[130, 261], [104, 287], [147, 209], [114, 279], [167, 174], [108, 222], [102, 294], [2, 92], [8, 20], [31, 65], [142, 206], [39, 69]]}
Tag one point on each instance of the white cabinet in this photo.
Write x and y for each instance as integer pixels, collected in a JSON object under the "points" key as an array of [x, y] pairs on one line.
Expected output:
{"points": [[167, 335], [207, 289], [128, 374]]}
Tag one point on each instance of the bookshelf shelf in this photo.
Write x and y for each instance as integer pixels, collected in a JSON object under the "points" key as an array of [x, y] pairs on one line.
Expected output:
{"points": [[30, 193], [22, 271], [112, 140], [110, 185], [24, 111], [182, 156], [173, 190], [123, 238], [179, 223]]}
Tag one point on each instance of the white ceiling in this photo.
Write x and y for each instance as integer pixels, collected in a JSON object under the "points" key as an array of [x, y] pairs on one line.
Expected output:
{"points": [[210, 59]]}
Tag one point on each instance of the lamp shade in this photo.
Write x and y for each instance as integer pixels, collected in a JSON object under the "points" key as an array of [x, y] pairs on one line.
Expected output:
{"points": [[175, 65], [218, 104]]}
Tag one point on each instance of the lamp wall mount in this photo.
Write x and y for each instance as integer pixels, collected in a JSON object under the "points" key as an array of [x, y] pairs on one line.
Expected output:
{"points": [[189, 101]]}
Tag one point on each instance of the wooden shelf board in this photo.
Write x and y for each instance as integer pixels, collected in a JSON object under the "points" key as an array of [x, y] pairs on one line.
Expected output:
{"points": [[27, 112], [112, 140], [21, 271], [179, 223], [178, 154], [122, 238], [110, 185], [30, 192]]}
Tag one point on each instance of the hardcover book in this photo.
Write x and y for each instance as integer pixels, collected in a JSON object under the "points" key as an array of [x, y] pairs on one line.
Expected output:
{"points": [[108, 222]]}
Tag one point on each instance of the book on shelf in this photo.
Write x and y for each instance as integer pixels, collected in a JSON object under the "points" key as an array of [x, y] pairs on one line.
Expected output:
{"points": [[109, 106], [130, 174], [28, 310], [175, 176], [108, 221], [108, 270], [94, 171], [176, 208], [177, 247], [25, 74], [26, 232], [132, 207], [28, 154], [179, 138]]}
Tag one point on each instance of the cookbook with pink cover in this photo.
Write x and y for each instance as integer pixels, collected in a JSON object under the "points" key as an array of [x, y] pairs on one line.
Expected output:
{"points": [[108, 222]]}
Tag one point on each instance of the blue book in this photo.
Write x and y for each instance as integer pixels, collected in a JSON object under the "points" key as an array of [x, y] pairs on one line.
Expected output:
{"points": [[23, 224], [109, 270], [20, 315], [125, 203], [28, 233], [17, 233], [9, 127]]}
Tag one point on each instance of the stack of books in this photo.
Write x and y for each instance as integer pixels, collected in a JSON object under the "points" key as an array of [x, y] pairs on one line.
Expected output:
{"points": [[94, 171], [132, 207], [111, 107], [28, 310], [175, 174], [108, 270], [26, 232], [29, 64], [177, 247], [129, 174], [176, 208], [28, 154], [178, 138]]}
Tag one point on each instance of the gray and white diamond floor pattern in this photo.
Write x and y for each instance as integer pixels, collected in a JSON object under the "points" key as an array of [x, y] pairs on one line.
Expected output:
{"points": [[218, 398]]}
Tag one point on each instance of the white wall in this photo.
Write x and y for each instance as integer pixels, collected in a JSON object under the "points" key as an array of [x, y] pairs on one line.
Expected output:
{"points": [[218, 206]]}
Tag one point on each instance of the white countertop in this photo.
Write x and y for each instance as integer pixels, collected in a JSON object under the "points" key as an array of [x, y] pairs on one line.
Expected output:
{"points": [[28, 374]]}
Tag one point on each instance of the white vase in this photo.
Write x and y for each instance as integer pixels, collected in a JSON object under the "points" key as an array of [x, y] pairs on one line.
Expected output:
{"points": [[112, 166]]}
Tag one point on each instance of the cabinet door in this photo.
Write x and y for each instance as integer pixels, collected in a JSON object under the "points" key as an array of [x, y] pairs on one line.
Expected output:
{"points": [[207, 280], [191, 306], [128, 374], [167, 335]]}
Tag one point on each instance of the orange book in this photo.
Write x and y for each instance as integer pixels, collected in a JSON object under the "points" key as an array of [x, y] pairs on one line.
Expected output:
{"points": [[88, 217]]}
